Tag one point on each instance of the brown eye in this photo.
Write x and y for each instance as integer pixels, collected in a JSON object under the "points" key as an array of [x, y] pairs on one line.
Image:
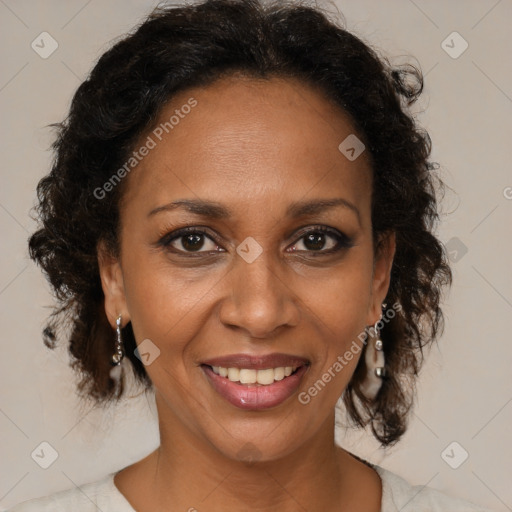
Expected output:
{"points": [[192, 242], [189, 240], [315, 240]]}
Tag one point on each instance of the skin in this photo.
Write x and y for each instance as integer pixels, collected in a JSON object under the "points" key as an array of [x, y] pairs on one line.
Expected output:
{"points": [[256, 147]]}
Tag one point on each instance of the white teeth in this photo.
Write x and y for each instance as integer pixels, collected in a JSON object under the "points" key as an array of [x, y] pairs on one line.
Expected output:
{"points": [[223, 372], [251, 376], [248, 376], [279, 373], [266, 377], [233, 374]]}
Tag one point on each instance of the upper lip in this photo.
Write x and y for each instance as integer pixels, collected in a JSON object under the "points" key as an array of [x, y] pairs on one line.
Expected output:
{"points": [[257, 362]]}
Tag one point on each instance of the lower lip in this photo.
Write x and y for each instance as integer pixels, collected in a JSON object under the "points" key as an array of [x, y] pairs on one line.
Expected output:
{"points": [[248, 396]]}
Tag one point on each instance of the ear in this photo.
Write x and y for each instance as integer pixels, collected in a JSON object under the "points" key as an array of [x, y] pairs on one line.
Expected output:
{"points": [[382, 264], [112, 283]]}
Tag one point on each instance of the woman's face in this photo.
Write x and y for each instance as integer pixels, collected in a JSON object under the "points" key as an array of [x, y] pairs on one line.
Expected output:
{"points": [[245, 167]]}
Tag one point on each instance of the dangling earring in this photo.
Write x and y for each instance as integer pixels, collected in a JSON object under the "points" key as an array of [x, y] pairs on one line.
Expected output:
{"points": [[375, 364], [117, 358]]}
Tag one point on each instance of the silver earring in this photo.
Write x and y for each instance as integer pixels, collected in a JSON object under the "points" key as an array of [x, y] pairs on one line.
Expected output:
{"points": [[375, 363], [119, 354], [117, 358]]}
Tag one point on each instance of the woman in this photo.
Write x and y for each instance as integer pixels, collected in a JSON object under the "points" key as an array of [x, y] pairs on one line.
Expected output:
{"points": [[241, 212]]}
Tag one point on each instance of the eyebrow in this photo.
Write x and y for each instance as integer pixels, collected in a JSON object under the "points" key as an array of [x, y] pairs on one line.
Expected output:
{"points": [[216, 210]]}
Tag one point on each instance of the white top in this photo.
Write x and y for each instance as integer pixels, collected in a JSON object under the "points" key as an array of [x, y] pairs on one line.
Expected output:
{"points": [[397, 496]]}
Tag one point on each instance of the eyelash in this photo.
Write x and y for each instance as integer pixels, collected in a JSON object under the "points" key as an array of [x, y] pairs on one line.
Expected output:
{"points": [[342, 240]]}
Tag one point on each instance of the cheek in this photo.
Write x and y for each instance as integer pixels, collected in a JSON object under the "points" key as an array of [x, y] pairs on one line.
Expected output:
{"points": [[164, 309], [165, 303], [340, 334], [341, 297], [340, 305]]}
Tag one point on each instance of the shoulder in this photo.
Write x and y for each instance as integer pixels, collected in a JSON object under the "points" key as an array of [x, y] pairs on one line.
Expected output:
{"points": [[99, 495], [399, 495]]}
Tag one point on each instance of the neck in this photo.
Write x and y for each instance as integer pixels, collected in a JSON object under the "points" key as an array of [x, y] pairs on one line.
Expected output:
{"points": [[188, 473]]}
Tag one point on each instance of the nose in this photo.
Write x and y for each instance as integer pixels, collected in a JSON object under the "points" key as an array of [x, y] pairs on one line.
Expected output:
{"points": [[259, 300]]}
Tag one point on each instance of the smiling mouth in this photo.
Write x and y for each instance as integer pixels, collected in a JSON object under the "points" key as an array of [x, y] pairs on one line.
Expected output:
{"points": [[256, 388], [253, 377]]}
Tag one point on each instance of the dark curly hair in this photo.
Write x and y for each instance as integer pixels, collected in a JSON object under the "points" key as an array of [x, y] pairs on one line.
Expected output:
{"points": [[176, 48]]}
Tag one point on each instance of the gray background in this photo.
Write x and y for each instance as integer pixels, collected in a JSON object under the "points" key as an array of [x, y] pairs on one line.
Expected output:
{"points": [[465, 389]]}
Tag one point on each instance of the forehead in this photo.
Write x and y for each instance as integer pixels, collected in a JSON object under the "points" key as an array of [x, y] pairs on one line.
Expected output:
{"points": [[248, 141]]}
